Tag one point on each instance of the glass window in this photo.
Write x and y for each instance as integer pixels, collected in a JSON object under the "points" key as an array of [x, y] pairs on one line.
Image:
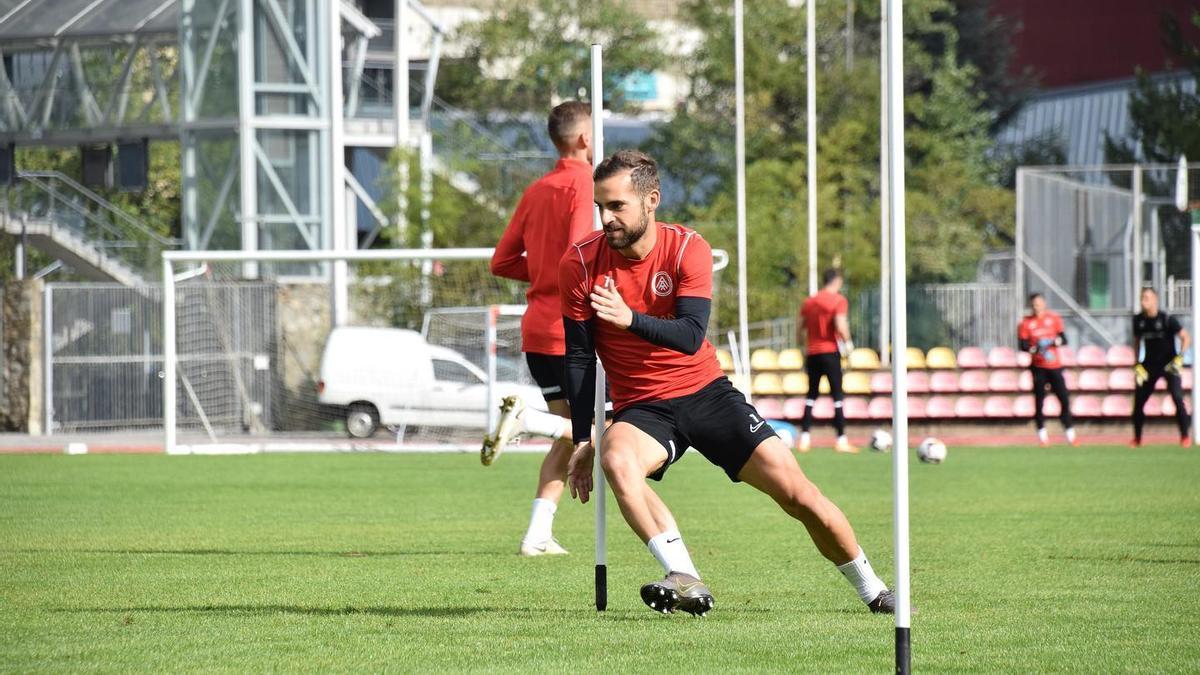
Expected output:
{"points": [[449, 371]]}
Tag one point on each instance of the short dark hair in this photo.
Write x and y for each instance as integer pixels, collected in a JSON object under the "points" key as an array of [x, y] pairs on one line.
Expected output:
{"points": [[643, 170], [563, 119], [829, 275], [1149, 289], [1035, 295]]}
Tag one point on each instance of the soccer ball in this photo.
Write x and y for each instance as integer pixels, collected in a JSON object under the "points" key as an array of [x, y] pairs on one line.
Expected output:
{"points": [[881, 441], [786, 431], [931, 451]]}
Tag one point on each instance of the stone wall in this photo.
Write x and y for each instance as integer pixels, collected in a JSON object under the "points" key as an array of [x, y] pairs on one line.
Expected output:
{"points": [[304, 324], [21, 362]]}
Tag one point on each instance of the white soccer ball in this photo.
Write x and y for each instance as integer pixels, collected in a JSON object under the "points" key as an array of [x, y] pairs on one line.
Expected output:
{"points": [[881, 441], [931, 451]]}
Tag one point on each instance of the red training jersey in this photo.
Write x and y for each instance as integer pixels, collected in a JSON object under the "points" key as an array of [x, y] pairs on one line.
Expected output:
{"points": [[1045, 327], [818, 313], [680, 264], [555, 211]]}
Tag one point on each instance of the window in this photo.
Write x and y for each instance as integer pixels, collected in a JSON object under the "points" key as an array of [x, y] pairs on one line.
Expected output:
{"points": [[449, 371]]}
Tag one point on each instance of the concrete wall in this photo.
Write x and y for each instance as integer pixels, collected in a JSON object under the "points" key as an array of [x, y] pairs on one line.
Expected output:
{"points": [[304, 324], [21, 388]]}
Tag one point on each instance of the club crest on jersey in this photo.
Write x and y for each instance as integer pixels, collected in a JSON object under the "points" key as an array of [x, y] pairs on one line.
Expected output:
{"points": [[662, 284]]}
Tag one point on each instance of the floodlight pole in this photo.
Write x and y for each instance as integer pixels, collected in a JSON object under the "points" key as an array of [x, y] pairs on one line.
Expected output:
{"points": [[740, 152], [400, 110], [810, 96], [895, 175], [599, 495]]}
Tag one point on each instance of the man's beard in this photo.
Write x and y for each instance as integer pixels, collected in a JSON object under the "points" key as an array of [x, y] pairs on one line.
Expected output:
{"points": [[628, 237]]}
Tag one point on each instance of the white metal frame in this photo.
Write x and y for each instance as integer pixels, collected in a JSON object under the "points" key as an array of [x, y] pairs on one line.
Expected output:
{"points": [[599, 495]]}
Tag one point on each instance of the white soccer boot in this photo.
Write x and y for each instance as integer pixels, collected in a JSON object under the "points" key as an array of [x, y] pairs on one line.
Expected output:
{"points": [[548, 547], [508, 427]]}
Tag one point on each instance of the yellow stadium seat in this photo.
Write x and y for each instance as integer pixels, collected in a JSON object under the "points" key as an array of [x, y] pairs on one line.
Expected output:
{"points": [[767, 384], [725, 359], [915, 358], [795, 384], [857, 383], [740, 382], [764, 359], [824, 388], [791, 359], [864, 358], [941, 357]]}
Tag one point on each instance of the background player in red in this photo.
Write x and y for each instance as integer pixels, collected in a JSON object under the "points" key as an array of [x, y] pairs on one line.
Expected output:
{"points": [[824, 323], [639, 295], [1041, 334], [553, 212]]}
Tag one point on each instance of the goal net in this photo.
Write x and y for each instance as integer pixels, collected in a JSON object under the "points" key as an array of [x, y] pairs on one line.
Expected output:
{"points": [[264, 352]]}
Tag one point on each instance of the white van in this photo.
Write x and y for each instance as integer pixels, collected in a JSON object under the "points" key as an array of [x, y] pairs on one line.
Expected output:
{"points": [[391, 377]]}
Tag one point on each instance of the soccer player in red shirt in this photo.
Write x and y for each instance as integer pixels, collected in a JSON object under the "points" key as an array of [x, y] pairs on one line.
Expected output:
{"points": [[1041, 334], [823, 320], [553, 212], [639, 294]]}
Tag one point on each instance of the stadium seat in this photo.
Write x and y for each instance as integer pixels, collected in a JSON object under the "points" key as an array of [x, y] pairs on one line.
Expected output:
{"points": [[864, 358], [1024, 359], [793, 408], [998, 406], [916, 408], [972, 357], [973, 381], [769, 408], [795, 384], [1066, 354], [725, 359], [1085, 406], [824, 408], [1166, 406], [1187, 379], [969, 407], [1120, 356], [1025, 380], [1122, 379], [1002, 357], [1091, 356], [941, 357], [856, 383], [943, 382], [764, 359], [940, 407], [856, 408], [881, 383], [1023, 406], [918, 382], [791, 359], [1052, 406], [1117, 405], [1092, 380], [767, 384], [1005, 381], [880, 408], [1071, 377], [1154, 406], [915, 359]]}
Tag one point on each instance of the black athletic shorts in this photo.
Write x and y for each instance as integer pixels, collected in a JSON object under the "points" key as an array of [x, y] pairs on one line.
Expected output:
{"points": [[550, 373], [716, 420]]}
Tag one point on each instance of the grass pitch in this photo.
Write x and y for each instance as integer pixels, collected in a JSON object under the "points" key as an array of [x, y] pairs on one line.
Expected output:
{"points": [[1024, 560]]}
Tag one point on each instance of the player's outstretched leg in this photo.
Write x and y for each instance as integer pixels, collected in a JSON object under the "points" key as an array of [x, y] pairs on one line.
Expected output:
{"points": [[1140, 396], [1182, 419], [516, 419], [772, 469]]}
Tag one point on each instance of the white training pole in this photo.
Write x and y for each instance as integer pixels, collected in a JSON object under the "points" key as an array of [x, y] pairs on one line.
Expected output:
{"points": [[895, 117], [885, 253], [810, 96], [599, 494], [740, 151]]}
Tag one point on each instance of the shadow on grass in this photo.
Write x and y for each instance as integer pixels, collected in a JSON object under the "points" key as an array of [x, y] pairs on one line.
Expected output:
{"points": [[230, 552], [1127, 558], [422, 612]]}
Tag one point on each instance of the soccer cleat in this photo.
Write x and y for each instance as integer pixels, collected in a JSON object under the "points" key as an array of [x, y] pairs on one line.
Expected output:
{"points": [[845, 446], [884, 603], [1044, 443], [678, 591], [1185, 441], [1076, 442], [1135, 443], [548, 547], [805, 443], [508, 427]]}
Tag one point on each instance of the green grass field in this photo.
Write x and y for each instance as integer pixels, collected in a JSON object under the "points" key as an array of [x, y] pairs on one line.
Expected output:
{"points": [[1023, 560]]}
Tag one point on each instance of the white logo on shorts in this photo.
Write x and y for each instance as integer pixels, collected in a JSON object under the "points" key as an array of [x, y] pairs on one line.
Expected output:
{"points": [[662, 284]]}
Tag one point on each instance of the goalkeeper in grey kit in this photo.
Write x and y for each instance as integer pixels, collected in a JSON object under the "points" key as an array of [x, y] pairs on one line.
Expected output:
{"points": [[1154, 331]]}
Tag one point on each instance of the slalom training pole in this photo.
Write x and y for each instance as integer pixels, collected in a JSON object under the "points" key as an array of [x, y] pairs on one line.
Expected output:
{"points": [[599, 495]]}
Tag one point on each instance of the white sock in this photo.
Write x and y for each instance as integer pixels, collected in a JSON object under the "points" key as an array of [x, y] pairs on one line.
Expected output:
{"points": [[842, 439], [546, 424], [1071, 435], [1043, 436], [864, 580], [668, 549], [541, 520], [805, 437]]}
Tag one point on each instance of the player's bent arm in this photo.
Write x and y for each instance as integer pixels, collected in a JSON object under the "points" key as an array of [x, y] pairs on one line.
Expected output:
{"points": [[842, 323], [685, 333], [1185, 340], [509, 260], [581, 376]]}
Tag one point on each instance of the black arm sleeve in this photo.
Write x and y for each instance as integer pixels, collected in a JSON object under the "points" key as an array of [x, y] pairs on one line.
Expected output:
{"points": [[1023, 345], [581, 376], [1062, 339], [684, 333]]}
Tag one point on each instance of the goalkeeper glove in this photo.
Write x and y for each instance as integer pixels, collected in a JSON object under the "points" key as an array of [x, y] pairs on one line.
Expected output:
{"points": [[1140, 375], [1175, 367]]}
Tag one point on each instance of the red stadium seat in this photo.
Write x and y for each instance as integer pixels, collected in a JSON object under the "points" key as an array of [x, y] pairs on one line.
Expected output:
{"points": [[1166, 406], [998, 406], [1066, 355], [881, 383], [1023, 406], [1005, 380], [1117, 405], [1025, 380], [1024, 359], [770, 408], [1187, 378], [940, 407], [918, 382], [880, 408], [973, 380], [944, 382], [1122, 379], [1091, 356], [1086, 406], [1120, 356], [1052, 407], [1071, 377], [1154, 406], [916, 408], [824, 408], [972, 357], [969, 406], [1002, 357], [1093, 380], [856, 408], [793, 408]]}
